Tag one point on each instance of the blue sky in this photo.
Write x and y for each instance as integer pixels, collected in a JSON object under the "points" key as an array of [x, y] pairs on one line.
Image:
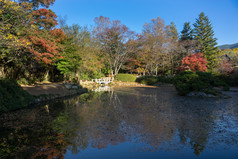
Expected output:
{"points": [[134, 13]]}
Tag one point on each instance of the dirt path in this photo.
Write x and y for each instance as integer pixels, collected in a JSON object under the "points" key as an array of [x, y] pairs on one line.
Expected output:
{"points": [[47, 88]]}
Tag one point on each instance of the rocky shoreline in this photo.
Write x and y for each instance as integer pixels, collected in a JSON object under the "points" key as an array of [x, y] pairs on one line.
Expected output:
{"points": [[50, 97]]}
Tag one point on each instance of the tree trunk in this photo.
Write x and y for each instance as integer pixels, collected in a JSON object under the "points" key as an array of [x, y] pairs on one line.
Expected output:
{"points": [[163, 64], [2, 74], [46, 75], [77, 77], [172, 66], [116, 72], [112, 73], [156, 70]]}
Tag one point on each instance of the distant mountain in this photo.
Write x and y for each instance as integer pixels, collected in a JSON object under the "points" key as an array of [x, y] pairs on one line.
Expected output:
{"points": [[231, 46]]}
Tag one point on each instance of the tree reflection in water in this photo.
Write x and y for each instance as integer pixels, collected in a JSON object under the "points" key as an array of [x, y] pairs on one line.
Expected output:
{"points": [[156, 117]]}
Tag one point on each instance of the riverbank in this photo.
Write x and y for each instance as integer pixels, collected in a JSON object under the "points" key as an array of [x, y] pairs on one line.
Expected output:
{"points": [[44, 93], [60, 90], [57, 89], [14, 96], [49, 91]]}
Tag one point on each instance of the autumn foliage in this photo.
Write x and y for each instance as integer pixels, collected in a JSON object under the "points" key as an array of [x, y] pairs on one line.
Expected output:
{"points": [[38, 3], [33, 46], [225, 67], [194, 62], [44, 18], [46, 40], [44, 50]]}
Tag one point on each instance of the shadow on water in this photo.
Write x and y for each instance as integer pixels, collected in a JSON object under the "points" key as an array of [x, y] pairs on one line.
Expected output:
{"points": [[148, 120]]}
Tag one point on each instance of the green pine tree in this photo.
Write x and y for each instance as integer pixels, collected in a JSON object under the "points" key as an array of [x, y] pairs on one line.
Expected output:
{"points": [[204, 34], [173, 31], [186, 33]]}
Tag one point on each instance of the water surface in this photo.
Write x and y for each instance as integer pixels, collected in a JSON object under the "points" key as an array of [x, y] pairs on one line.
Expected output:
{"points": [[124, 123]]}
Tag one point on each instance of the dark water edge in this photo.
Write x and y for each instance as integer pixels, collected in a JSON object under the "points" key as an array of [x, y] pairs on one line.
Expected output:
{"points": [[124, 123]]}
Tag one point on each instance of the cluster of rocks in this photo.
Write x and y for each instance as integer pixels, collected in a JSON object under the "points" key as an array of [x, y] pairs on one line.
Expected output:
{"points": [[206, 95], [49, 97], [200, 94], [72, 86]]}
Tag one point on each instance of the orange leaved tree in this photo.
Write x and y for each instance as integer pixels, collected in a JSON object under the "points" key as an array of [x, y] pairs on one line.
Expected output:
{"points": [[194, 62]]}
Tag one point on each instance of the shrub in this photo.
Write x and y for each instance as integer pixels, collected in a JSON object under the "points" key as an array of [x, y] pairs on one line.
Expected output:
{"points": [[23, 81], [12, 96], [189, 81], [148, 80], [125, 77], [165, 79], [97, 75], [151, 80], [84, 76], [184, 82]]}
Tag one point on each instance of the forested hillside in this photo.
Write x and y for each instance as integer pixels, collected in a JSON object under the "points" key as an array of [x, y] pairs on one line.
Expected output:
{"points": [[36, 45]]}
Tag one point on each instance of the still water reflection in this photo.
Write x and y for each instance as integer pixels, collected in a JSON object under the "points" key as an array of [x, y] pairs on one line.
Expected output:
{"points": [[124, 123]]}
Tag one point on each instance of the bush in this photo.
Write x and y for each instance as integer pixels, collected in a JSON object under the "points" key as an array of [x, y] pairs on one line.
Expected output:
{"points": [[189, 81], [84, 76], [97, 75], [12, 96], [148, 80], [125, 77], [27, 81], [23, 81], [151, 80], [165, 79], [89, 76]]}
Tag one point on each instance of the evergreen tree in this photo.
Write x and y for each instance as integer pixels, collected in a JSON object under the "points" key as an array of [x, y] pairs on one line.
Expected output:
{"points": [[173, 31], [186, 40], [186, 33], [204, 34]]}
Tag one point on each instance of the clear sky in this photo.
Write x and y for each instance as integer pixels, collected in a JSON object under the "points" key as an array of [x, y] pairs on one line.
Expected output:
{"points": [[134, 13]]}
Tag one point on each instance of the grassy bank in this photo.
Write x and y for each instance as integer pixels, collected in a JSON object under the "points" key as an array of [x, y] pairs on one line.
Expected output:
{"points": [[12, 96]]}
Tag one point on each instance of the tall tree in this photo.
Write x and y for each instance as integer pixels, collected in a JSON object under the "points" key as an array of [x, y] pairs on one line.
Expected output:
{"points": [[204, 34], [173, 32], [45, 40], [13, 25], [153, 42], [82, 57], [116, 41], [186, 33], [72, 59], [186, 41], [172, 45]]}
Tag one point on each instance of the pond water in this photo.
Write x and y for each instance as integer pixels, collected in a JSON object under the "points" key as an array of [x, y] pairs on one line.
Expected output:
{"points": [[124, 123]]}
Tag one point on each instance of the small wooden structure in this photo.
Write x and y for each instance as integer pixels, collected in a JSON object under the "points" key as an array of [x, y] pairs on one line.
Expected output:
{"points": [[103, 80]]}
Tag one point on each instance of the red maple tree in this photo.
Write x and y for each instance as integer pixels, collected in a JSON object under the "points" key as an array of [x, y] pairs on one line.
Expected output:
{"points": [[45, 40], [46, 48], [194, 62], [225, 67], [44, 18]]}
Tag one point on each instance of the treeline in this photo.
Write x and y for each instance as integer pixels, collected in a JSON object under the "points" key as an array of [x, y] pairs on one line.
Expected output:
{"points": [[35, 46]]}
